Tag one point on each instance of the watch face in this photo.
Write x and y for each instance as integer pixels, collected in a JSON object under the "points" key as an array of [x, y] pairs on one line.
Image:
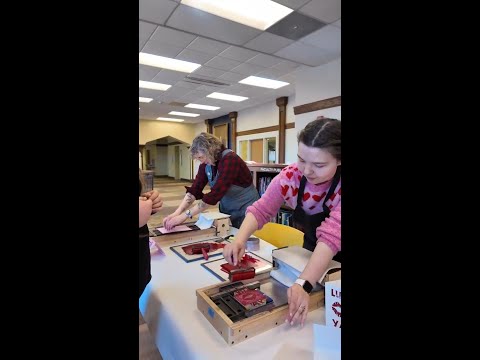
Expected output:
{"points": [[307, 286]]}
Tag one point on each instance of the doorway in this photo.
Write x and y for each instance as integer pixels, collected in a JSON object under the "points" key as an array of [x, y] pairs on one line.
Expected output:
{"points": [[221, 132]]}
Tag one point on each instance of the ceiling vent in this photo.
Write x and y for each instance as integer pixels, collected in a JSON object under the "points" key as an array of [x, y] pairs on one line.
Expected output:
{"points": [[201, 81]]}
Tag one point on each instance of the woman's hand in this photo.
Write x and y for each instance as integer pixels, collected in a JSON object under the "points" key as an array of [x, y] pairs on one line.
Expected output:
{"points": [[156, 199], [169, 217], [297, 305], [170, 223], [234, 252]]}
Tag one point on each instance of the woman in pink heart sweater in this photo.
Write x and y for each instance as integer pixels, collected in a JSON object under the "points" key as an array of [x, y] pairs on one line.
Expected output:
{"points": [[311, 186]]}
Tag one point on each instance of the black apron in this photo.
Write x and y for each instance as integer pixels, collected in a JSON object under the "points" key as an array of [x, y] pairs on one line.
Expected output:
{"points": [[236, 199], [308, 223], [144, 274]]}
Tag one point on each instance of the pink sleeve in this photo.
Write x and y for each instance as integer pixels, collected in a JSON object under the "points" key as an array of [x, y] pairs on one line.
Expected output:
{"points": [[265, 208], [329, 231]]}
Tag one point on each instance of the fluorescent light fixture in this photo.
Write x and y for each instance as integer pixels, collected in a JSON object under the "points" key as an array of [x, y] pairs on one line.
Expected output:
{"points": [[203, 107], [170, 119], [167, 63], [183, 114], [259, 14], [145, 100], [153, 85], [262, 82], [221, 96]]}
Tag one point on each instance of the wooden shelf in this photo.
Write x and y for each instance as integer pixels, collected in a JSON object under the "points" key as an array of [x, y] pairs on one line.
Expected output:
{"points": [[260, 171], [264, 170]]}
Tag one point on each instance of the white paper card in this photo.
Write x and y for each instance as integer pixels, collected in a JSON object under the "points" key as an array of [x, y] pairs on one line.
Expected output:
{"points": [[204, 223], [333, 303], [327, 342]]}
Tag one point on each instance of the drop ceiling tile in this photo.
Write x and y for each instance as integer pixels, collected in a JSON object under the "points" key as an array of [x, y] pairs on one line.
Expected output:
{"points": [[248, 69], [286, 65], [173, 37], [211, 26], [271, 73], [268, 43], [194, 56], [208, 71], [238, 53], [295, 26], [222, 63], [327, 38], [149, 93], [325, 10], [210, 88], [145, 30], [264, 60], [207, 46], [147, 73], [156, 48], [169, 77], [156, 11], [176, 92], [187, 85], [305, 54], [293, 4], [230, 76]]}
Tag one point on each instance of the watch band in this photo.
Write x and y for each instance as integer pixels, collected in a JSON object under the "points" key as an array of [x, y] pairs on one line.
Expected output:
{"points": [[305, 284]]}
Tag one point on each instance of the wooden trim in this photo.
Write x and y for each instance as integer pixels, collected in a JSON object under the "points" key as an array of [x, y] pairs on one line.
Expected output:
{"points": [[317, 105], [209, 126], [233, 120], [282, 120], [265, 129], [257, 131]]}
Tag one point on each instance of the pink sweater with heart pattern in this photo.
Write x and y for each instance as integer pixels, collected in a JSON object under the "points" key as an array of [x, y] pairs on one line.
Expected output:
{"points": [[284, 188]]}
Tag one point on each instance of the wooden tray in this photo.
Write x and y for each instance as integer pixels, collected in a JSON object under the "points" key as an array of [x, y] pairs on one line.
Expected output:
{"points": [[241, 330]]}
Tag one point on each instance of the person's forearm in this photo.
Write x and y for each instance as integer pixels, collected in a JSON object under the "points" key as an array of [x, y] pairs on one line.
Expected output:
{"points": [[186, 203], [317, 264], [249, 226], [145, 209], [200, 207]]}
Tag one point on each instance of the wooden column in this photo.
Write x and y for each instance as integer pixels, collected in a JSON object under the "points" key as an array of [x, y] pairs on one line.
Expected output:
{"points": [[233, 120], [209, 126], [282, 122]]}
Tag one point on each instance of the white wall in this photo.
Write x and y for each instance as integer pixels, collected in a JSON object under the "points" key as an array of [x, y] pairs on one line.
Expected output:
{"points": [[314, 84], [267, 115], [184, 163], [258, 117], [161, 164], [153, 155], [291, 146], [198, 128]]}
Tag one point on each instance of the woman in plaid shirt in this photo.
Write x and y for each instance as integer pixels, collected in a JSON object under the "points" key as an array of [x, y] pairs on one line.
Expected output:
{"points": [[229, 178]]}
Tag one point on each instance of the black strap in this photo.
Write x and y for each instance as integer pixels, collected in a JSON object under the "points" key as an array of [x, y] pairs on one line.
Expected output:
{"points": [[301, 188], [336, 180]]}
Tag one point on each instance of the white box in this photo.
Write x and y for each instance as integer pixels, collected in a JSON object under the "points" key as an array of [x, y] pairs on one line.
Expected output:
{"points": [[333, 303]]}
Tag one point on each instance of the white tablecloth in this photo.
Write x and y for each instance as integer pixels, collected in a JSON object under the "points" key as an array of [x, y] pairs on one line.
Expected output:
{"points": [[180, 330]]}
